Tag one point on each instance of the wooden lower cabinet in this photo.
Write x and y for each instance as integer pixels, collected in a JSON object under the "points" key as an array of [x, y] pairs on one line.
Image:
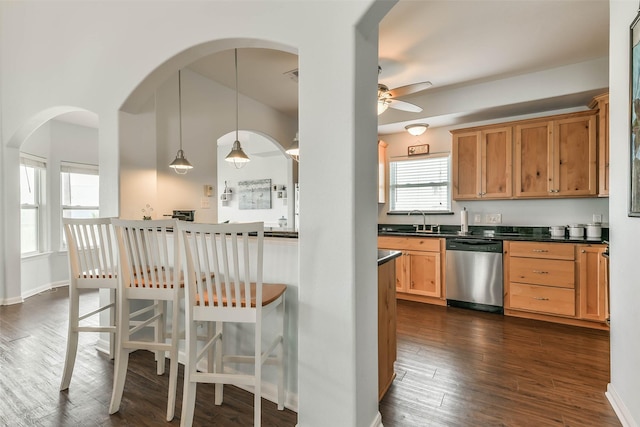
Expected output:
{"points": [[592, 273], [422, 273], [420, 269], [543, 299], [557, 282], [387, 318]]}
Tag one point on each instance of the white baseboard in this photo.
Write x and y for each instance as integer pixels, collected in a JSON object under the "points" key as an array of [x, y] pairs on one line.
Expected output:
{"points": [[621, 410], [11, 301], [377, 421], [32, 292]]}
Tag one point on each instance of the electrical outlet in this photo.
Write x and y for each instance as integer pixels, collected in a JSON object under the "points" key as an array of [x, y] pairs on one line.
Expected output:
{"points": [[204, 203], [477, 218], [597, 218], [494, 218]]}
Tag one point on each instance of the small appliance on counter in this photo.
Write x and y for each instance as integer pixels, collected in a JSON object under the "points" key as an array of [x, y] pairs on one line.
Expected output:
{"points": [[594, 231], [576, 231], [557, 230], [184, 215]]}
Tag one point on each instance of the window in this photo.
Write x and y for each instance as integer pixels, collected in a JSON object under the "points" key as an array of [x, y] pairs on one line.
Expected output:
{"points": [[420, 184], [80, 186], [32, 179]]}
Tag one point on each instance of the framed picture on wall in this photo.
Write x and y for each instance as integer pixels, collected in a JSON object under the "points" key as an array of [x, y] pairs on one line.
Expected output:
{"points": [[634, 151]]}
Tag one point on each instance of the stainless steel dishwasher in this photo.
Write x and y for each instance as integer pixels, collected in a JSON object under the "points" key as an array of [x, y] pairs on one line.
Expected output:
{"points": [[474, 274]]}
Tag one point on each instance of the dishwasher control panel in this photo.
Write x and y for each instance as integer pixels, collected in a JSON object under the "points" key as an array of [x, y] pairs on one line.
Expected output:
{"points": [[474, 245]]}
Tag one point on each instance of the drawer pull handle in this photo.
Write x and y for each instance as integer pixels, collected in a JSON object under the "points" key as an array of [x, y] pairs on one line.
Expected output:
{"points": [[541, 298], [540, 250], [540, 272]]}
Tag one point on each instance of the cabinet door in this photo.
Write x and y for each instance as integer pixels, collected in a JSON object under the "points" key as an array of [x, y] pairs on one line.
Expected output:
{"points": [[466, 166], [533, 174], [495, 164], [574, 156], [593, 298], [382, 171], [424, 273], [401, 273], [603, 146]]}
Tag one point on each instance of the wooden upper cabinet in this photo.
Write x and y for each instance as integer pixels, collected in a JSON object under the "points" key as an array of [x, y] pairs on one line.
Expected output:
{"points": [[382, 171], [533, 171], [601, 103], [466, 165], [496, 163], [556, 157], [482, 162], [575, 156]]}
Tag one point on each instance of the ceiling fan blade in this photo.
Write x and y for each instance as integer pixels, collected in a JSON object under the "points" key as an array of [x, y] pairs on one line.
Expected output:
{"points": [[409, 89], [404, 106]]}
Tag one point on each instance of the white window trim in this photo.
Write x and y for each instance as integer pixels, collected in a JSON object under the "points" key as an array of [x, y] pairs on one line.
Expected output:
{"points": [[40, 164], [447, 184]]}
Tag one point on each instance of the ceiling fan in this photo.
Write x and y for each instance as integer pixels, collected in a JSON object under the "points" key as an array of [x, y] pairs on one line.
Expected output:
{"points": [[387, 98]]}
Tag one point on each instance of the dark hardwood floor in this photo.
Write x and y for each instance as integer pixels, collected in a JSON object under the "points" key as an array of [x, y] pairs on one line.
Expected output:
{"points": [[455, 368], [32, 349]]}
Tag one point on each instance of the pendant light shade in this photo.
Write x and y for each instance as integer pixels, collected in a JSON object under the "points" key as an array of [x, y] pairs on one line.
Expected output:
{"points": [[294, 149], [180, 164], [237, 156]]}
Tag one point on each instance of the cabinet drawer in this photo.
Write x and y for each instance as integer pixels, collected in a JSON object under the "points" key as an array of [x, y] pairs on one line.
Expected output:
{"points": [[542, 299], [564, 251], [409, 243], [548, 272]]}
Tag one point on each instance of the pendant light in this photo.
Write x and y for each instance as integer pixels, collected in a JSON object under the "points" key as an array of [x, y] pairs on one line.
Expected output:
{"points": [[181, 165], [294, 149], [237, 156]]}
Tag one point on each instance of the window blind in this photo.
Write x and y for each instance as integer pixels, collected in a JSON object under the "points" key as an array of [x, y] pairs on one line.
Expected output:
{"points": [[420, 184]]}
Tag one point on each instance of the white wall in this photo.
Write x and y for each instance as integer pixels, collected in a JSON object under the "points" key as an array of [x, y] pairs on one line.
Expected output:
{"points": [[333, 270], [267, 162], [150, 139], [514, 212], [624, 389]]}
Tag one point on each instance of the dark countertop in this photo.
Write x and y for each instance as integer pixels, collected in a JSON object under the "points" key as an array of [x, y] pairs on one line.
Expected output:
{"points": [[385, 255], [517, 233]]}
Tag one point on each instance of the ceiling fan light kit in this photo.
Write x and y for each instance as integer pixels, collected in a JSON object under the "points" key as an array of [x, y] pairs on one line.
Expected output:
{"points": [[180, 164], [416, 129], [388, 98], [237, 156]]}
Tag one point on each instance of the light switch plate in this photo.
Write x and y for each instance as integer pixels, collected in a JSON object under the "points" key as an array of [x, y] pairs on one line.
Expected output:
{"points": [[597, 218], [477, 218], [494, 218], [204, 203]]}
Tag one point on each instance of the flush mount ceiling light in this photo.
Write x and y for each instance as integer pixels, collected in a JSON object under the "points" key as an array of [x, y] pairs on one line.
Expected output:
{"points": [[294, 149], [181, 165], [417, 129], [237, 156]]}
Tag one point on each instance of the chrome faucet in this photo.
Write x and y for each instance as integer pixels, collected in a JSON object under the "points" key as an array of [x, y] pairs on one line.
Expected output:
{"points": [[424, 220]]}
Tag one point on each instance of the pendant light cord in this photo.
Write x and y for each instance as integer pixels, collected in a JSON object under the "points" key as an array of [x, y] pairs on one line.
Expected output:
{"points": [[237, 109], [180, 107]]}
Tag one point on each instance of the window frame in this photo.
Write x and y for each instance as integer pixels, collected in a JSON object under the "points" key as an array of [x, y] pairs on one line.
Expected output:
{"points": [[75, 168], [39, 165], [446, 183]]}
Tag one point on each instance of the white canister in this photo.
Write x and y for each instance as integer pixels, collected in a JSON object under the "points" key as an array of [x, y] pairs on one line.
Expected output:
{"points": [[594, 231], [557, 230], [576, 231]]}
